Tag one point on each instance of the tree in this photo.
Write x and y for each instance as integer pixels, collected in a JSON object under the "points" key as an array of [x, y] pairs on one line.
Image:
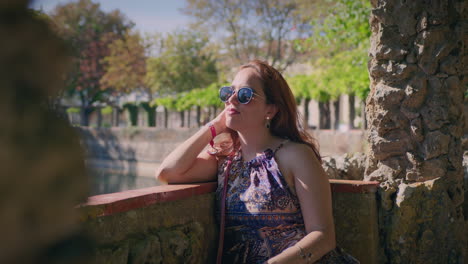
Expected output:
{"points": [[207, 97], [169, 103], [346, 73], [300, 86], [88, 30], [183, 62], [126, 64], [342, 40], [126, 69], [254, 29]]}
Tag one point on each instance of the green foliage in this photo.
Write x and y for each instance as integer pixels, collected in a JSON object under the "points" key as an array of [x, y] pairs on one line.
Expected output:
{"points": [[88, 30], [205, 97], [345, 27], [197, 97], [106, 110], [301, 86], [126, 64], [309, 87], [342, 39], [73, 110], [184, 62], [350, 71], [168, 102]]}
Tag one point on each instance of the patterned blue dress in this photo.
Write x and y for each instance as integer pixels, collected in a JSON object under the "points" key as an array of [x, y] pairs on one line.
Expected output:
{"points": [[263, 215]]}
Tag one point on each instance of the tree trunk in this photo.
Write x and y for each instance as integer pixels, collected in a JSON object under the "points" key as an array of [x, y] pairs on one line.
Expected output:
{"points": [[352, 110], [336, 117], [188, 117], [99, 116], [415, 117], [166, 117], [198, 116], [115, 116], [306, 102], [324, 115], [85, 110], [132, 114], [150, 114], [84, 116], [182, 118]]}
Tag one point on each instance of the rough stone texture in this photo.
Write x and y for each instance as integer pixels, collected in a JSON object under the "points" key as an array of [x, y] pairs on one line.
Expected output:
{"points": [[182, 231], [356, 224], [419, 73], [42, 165], [421, 217], [185, 230], [345, 167], [465, 203]]}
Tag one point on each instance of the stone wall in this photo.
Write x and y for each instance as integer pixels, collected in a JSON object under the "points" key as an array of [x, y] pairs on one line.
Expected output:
{"points": [[176, 223], [355, 215], [126, 158], [140, 150], [165, 224], [418, 69]]}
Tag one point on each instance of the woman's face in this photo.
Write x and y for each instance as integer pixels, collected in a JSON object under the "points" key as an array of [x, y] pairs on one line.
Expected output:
{"points": [[242, 117]]}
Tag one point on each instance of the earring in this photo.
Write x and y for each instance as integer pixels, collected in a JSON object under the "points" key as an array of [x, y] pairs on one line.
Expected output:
{"points": [[267, 123]]}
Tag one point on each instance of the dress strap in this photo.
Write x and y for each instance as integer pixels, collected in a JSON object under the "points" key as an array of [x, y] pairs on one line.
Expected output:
{"points": [[280, 145]]}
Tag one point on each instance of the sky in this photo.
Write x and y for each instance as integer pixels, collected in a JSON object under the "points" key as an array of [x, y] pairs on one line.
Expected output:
{"points": [[148, 15]]}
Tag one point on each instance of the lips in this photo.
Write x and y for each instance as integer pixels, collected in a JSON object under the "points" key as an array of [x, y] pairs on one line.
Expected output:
{"points": [[232, 111]]}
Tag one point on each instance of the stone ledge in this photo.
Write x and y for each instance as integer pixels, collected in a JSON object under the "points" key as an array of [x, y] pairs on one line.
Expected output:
{"points": [[113, 203], [349, 186]]}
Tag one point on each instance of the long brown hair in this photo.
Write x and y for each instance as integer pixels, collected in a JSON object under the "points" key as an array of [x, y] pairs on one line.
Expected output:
{"points": [[285, 124]]}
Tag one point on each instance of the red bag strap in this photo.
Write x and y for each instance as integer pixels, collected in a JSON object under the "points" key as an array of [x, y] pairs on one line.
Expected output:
{"points": [[219, 258]]}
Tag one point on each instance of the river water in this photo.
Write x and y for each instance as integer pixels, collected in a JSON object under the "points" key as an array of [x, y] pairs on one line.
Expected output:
{"points": [[103, 182]]}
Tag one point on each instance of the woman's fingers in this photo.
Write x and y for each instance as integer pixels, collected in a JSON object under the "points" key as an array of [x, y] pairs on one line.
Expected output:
{"points": [[220, 122]]}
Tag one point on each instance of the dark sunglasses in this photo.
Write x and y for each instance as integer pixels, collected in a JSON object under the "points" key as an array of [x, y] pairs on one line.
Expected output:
{"points": [[244, 94]]}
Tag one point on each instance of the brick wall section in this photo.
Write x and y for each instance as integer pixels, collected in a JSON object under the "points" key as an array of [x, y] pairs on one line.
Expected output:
{"points": [[176, 223]]}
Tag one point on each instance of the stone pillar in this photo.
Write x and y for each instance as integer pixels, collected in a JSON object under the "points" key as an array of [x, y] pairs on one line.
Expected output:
{"points": [[418, 71]]}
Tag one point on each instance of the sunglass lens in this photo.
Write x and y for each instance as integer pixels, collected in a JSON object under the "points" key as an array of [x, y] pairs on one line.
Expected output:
{"points": [[224, 93], [244, 95]]}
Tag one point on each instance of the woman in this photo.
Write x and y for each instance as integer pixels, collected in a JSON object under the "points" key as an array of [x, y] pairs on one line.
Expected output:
{"points": [[277, 200]]}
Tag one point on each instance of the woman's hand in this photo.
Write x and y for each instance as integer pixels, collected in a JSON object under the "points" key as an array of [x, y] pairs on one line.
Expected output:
{"points": [[219, 122]]}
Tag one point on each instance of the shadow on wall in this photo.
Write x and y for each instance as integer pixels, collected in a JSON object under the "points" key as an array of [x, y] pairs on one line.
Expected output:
{"points": [[102, 145], [42, 163]]}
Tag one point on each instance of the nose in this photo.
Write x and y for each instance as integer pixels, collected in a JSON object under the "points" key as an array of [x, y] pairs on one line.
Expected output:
{"points": [[231, 99]]}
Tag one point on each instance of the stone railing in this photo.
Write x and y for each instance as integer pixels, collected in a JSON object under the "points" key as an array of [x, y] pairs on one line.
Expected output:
{"points": [[176, 223]]}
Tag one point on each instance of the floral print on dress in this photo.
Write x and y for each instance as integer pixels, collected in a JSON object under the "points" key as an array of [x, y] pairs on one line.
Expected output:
{"points": [[263, 216]]}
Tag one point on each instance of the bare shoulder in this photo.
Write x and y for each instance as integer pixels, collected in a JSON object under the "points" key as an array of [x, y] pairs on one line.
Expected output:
{"points": [[297, 153], [297, 158]]}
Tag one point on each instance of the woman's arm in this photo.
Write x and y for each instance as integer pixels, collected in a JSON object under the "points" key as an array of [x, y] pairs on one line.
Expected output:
{"points": [[188, 163], [313, 190]]}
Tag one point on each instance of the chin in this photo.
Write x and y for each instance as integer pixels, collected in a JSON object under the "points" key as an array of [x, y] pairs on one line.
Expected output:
{"points": [[232, 124]]}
